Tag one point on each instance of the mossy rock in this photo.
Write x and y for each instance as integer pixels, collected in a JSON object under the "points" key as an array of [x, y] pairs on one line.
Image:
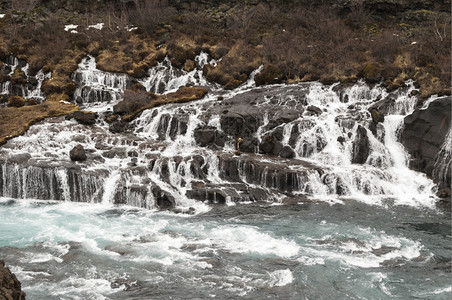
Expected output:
{"points": [[232, 84], [18, 77], [214, 74], [16, 101], [138, 71], [189, 65], [57, 85], [269, 74], [182, 95]]}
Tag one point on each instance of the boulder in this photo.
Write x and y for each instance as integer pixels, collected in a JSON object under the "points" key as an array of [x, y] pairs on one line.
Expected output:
{"points": [[119, 126], [287, 152], [10, 287], [78, 153]]}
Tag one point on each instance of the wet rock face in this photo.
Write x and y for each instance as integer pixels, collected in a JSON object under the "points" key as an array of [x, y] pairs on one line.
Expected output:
{"points": [[424, 133], [78, 153], [360, 146], [10, 287]]}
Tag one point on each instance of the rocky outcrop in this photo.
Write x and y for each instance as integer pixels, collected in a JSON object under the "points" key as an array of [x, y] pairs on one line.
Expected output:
{"points": [[10, 287], [424, 134]]}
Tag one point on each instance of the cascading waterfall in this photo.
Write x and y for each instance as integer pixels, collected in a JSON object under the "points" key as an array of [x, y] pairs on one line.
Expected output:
{"points": [[29, 90], [98, 87], [165, 78], [338, 153]]}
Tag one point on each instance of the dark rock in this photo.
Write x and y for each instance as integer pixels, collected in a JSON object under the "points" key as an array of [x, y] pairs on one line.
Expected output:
{"points": [[287, 152], [21, 158], [284, 116], [163, 199], [314, 109], [377, 116], [205, 136], [86, 118], [10, 287], [116, 152], [360, 146], [132, 153], [243, 124], [250, 145], [120, 127], [341, 139], [423, 135], [78, 153], [270, 145]]}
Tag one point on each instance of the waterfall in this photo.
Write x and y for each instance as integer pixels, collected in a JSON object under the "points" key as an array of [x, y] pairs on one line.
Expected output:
{"points": [[29, 90], [164, 78], [302, 140], [96, 87]]}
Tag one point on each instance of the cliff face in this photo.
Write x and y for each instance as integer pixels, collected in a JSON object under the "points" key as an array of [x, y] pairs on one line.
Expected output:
{"points": [[424, 135], [10, 287]]}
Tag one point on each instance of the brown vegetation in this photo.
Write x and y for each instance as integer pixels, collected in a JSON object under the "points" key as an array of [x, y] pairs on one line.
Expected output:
{"points": [[15, 121], [135, 101], [302, 42]]}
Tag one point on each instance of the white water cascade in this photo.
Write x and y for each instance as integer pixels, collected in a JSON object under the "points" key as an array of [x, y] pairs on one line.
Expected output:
{"points": [[29, 90], [303, 140], [96, 87], [165, 78]]}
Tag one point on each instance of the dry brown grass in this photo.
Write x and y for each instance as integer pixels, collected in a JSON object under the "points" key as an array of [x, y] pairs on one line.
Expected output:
{"points": [[182, 95], [16, 121]]}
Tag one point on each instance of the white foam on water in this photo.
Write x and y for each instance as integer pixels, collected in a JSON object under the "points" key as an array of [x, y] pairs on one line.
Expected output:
{"points": [[245, 239], [363, 252], [442, 290], [26, 274], [280, 278], [380, 279], [311, 261]]}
